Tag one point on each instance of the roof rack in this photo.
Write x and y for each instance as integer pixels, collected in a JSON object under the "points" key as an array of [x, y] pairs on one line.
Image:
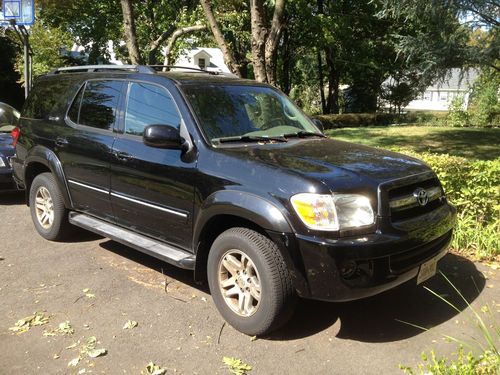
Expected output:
{"points": [[167, 68], [98, 68]]}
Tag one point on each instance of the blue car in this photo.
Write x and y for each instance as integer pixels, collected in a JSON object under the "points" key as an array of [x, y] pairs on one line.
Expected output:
{"points": [[9, 117]]}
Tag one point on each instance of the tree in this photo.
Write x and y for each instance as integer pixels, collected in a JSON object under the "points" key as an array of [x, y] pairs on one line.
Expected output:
{"points": [[220, 39], [49, 45], [10, 91], [130, 33]]}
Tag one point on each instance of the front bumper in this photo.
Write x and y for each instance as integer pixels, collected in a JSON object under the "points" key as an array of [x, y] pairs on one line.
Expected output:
{"points": [[356, 267]]}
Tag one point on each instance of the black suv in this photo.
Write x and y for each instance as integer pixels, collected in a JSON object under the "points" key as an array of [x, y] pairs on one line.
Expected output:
{"points": [[230, 179]]}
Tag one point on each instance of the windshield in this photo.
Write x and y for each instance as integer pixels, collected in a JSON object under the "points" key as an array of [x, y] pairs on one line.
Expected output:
{"points": [[249, 112]]}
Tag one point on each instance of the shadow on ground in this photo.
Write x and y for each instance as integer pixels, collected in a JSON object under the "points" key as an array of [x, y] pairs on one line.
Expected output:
{"points": [[375, 319], [380, 318], [12, 198]]}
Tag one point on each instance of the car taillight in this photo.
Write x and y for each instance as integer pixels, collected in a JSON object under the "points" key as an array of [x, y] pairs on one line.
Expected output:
{"points": [[16, 133]]}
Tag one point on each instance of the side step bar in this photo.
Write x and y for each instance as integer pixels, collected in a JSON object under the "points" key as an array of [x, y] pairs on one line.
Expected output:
{"points": [[157, 249]]}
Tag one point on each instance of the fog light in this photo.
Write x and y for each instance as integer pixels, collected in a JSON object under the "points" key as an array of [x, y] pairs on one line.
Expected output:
{"points": [[348, 269]]}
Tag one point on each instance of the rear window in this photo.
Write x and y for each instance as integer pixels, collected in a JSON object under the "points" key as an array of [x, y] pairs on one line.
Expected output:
{"points": [[48, 97]]}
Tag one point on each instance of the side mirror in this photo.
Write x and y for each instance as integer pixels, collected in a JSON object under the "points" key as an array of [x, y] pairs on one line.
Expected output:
{"points": [[162, 136], [318, 124]]}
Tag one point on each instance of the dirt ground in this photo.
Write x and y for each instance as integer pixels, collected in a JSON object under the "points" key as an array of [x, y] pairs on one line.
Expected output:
{"points": [[97, 285]]}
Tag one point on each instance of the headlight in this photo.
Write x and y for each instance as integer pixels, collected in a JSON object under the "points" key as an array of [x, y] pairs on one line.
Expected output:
{"points": [[333, 212], [2, 162]]}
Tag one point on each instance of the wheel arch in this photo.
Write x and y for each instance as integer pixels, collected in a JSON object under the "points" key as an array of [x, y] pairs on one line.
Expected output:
{"points": [[41, 160], [236, 209]]}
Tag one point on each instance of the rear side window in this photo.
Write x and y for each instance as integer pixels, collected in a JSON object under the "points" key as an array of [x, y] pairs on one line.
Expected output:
{"points": [[99, 104], [149, 105], [48, 97]]}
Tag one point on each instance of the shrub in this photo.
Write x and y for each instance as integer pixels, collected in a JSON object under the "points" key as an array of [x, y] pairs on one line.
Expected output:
{"points": [[357, 120], [457, 115], [485, 105], [474, 187]]}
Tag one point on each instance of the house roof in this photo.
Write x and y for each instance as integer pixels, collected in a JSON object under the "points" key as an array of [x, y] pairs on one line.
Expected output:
{"points": [[456, 79], [187, 58]]}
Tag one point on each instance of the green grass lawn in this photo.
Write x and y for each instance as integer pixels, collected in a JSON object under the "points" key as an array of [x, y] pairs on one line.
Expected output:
{"points": [[472, 143]]}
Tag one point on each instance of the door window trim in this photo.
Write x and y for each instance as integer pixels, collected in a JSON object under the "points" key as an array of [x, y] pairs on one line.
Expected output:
{"points": [[119, 111], [121, 132]]}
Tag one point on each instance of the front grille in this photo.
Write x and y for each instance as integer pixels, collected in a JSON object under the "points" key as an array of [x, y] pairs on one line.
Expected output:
{"points": [[411, 258], [403, 204]]}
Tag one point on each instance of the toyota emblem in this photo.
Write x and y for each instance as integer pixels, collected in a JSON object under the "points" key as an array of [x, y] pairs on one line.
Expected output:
{"points": [[421, 196]]}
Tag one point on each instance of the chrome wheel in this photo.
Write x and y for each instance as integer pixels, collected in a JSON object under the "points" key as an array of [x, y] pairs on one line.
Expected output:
{"points": [[44, 207], [239, 283]]}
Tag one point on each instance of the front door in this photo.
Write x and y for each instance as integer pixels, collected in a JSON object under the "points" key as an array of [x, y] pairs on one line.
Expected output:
{"points": [[151, 188]]}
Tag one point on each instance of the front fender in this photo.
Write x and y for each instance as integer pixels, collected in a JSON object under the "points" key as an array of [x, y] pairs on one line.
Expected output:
{"points": [[48, 158], [248, 206]]}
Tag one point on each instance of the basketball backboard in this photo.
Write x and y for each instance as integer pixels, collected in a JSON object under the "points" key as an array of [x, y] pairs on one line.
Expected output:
{"points": [[22, 11]]}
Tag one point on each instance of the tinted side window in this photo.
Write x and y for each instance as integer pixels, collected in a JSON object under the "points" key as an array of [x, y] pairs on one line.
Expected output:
{"points": [[74, 111], [47, 98], [147, 105], [99, 103]]}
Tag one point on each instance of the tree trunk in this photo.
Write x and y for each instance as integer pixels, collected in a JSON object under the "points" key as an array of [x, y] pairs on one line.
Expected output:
{"points": [[332, 102], [176, 35], [321, 83], [219, 38], [287, 63], [259, 36], [272, 42], [130, 34]]}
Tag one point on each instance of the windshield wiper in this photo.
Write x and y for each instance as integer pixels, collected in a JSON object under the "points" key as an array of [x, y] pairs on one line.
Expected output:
{"points": [[303, 134], [249, 138]]}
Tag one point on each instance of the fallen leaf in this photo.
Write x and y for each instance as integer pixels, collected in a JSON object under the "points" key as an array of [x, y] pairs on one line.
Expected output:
{"points": [[86, 290], [23, 325], [236, 366], [153, 369], [94, 353], [74, 362], [56, 356], [65, 328], [130, 324], [72, 345], [253, 338]]}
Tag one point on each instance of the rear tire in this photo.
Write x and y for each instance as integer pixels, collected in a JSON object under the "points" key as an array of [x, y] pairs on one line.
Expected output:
{"points": [[249, 281], [48, 212]]}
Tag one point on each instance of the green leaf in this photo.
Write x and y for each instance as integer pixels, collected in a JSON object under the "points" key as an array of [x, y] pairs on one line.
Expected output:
{"points": [[74, 362], [130, 324], [94, 353], [236, 366]]}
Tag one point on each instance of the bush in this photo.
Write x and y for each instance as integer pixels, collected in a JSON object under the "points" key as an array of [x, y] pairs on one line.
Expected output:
{"points": [[357, 120], [485, 106], [474, 187], [457, 115]]}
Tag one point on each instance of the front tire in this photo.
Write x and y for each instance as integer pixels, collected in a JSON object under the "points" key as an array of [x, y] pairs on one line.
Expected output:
{"points": [[249, 281], [48, 212]]}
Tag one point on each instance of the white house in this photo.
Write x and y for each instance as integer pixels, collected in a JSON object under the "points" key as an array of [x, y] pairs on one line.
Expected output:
{"points": [[438, 97], [203, 58]]}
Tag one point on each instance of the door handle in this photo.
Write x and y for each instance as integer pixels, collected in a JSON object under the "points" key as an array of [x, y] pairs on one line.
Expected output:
{"points": [[122, 155], [61, 142]]}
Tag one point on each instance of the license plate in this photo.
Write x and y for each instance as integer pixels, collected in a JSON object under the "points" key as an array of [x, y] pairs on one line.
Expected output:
{"points": [[427, 270]]}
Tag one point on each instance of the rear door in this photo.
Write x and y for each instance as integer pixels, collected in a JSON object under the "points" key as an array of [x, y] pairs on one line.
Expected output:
{"points": [[151, 188], [85, 148]]}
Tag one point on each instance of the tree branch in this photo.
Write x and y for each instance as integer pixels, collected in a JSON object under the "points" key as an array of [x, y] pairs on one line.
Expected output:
{"points": [[176, 35], [219, 38]]}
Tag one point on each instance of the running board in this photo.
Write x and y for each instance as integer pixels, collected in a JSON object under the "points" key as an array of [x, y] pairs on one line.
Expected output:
{"points": [[157, 249]]}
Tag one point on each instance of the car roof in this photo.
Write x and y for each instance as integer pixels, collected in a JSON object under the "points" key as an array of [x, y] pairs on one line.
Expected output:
{"points": [[180, 75]]}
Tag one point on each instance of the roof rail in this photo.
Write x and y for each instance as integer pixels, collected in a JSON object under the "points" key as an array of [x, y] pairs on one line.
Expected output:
{"points": [[167, 68], [97, 68]]}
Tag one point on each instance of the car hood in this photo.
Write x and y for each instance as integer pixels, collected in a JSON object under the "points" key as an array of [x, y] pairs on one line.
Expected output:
{"points": [[338, 164]]}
